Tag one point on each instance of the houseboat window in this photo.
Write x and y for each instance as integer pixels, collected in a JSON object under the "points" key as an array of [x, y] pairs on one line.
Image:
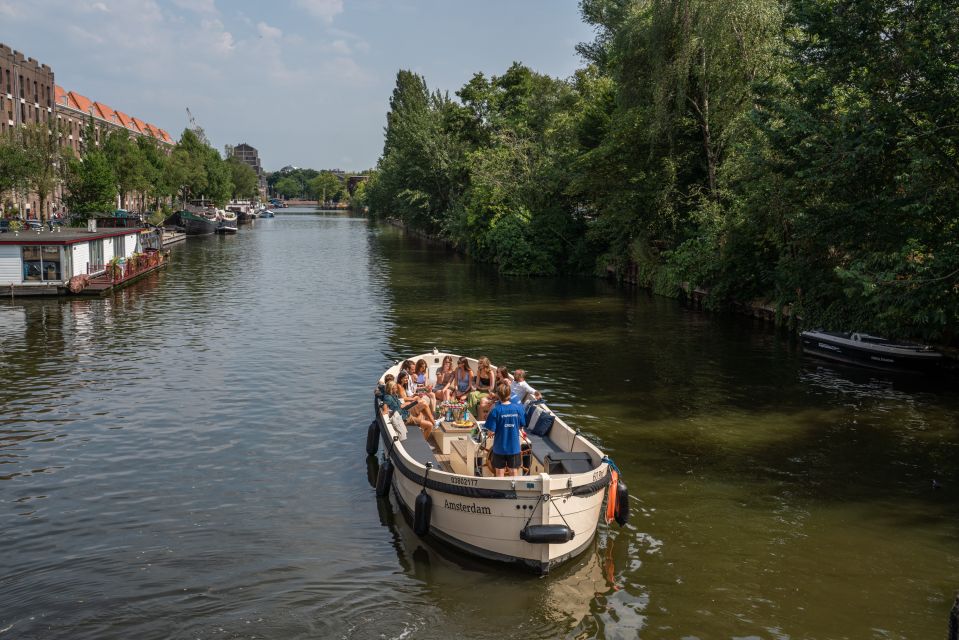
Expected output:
{"points": [[119, 247], [51, 262], [96, 256], [32, 267], [41, 263]]}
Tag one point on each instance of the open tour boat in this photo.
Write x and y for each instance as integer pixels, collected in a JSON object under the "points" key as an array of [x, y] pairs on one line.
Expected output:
{"points": [[538, 520]]}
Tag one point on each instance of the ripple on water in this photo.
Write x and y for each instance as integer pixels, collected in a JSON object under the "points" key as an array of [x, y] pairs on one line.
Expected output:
{"points": [[185, 458]]}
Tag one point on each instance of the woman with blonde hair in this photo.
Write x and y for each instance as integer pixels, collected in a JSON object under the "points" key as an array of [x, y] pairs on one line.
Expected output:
{"points": [[481, 400]]}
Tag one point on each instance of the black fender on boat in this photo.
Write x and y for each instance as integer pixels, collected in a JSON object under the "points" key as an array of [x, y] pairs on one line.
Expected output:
{"points": [[547, 533], [622, 504], [372, 470], [383, 479], [421, 513], [372, 438]]}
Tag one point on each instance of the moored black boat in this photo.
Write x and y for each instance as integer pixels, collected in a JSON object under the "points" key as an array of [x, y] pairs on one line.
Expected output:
{"points": [[870, 351], [197, 224]]}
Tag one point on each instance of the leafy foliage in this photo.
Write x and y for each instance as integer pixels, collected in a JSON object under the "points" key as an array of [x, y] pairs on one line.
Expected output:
{"points": [[91, 185], [804, 152]]}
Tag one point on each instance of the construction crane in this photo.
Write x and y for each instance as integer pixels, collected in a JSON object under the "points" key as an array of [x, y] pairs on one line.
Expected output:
{"points": [[197, 129]]}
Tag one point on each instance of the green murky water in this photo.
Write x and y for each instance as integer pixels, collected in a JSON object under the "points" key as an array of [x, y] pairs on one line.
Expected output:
{"points": [[185, 458]]}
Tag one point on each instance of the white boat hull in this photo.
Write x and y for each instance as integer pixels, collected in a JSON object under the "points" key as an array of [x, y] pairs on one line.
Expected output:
{"points": [[494, 518]]}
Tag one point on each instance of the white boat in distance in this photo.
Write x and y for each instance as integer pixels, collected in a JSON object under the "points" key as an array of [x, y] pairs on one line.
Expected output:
{"points": [[537, 520]]}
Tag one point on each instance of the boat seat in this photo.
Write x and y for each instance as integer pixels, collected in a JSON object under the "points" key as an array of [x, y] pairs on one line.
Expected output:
{"points": [[568, 462], [542, 446], [418, 448]]}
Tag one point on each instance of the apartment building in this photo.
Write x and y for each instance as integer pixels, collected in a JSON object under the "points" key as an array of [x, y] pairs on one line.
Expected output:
{"points": [[26, 97], [250, 156], [29, 94]]}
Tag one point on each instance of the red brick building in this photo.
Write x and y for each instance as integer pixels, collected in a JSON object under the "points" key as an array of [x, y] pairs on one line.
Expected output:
{"points": [[28, 94]]}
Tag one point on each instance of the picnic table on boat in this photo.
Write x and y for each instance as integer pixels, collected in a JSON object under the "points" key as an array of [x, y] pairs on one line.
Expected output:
{"points": [[448, 432]]}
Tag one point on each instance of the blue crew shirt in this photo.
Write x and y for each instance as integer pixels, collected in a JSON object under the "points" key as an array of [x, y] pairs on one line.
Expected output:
{"points": [[505, 421]]}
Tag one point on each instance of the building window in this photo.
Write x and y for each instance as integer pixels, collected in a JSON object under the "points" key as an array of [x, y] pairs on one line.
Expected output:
{"points": [[41, 263], [96, 256], [119, 247]]}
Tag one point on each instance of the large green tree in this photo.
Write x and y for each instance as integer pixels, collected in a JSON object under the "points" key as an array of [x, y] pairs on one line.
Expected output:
{"points": [[861, 175], [42, 157], [288, 187], [13, 167], [127, 164], [91, 185], [243, 177], [327, 187]]}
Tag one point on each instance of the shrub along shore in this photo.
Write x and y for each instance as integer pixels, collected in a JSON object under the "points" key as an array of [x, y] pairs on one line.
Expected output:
{"points": [[774, 150]]}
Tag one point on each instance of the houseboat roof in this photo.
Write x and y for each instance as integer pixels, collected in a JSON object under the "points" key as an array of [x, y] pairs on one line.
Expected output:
{"points": [[68, 235]]}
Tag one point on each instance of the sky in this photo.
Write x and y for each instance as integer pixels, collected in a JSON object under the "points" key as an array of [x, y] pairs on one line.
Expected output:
{"points": [[306, 82]]}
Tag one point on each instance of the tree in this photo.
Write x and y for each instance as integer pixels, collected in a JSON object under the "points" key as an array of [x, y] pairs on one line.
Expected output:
{"points": [[155, 172], [41, 146], [13, 166], [126, 162], [861, 166], [219, 181], [244, 179], [186, 169], [196, 170], [91, 185], [327, 187], [288, 187]]}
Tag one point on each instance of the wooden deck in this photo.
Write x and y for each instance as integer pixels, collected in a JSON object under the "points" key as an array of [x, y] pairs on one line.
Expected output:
{"points": [[115, 276]]}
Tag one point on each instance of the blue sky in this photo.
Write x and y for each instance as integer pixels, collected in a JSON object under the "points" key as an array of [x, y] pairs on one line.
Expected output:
{"points": [[307, 82]]}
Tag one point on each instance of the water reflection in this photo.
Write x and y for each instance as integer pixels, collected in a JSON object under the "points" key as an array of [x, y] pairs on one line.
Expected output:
{"points": [[500, 596]]}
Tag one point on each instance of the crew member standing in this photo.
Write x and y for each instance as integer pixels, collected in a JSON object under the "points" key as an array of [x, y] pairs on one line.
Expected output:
{"points": [[505, 420]]}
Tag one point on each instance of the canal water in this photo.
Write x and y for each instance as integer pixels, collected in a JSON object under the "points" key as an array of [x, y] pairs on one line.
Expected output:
{"points": [[185, 458]]}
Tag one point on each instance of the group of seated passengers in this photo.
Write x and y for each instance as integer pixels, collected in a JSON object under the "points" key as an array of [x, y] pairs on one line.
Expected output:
{"points": [[415, 410], [475, 390]]}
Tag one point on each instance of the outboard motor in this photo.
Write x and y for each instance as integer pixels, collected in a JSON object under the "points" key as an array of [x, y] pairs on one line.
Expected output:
{"points": [[373, 438]]}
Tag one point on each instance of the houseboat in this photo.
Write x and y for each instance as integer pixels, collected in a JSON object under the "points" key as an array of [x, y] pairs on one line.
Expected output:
{"points": [[199, 223], [226, 222], [245, 211], [864, 350], [71, 260], [443, 478]]}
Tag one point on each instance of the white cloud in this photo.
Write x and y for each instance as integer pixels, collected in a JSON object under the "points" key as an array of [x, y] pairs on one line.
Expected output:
{"points": [[266, 31], [340, 47], [218, 39], [325, 10], [198, 6]]}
